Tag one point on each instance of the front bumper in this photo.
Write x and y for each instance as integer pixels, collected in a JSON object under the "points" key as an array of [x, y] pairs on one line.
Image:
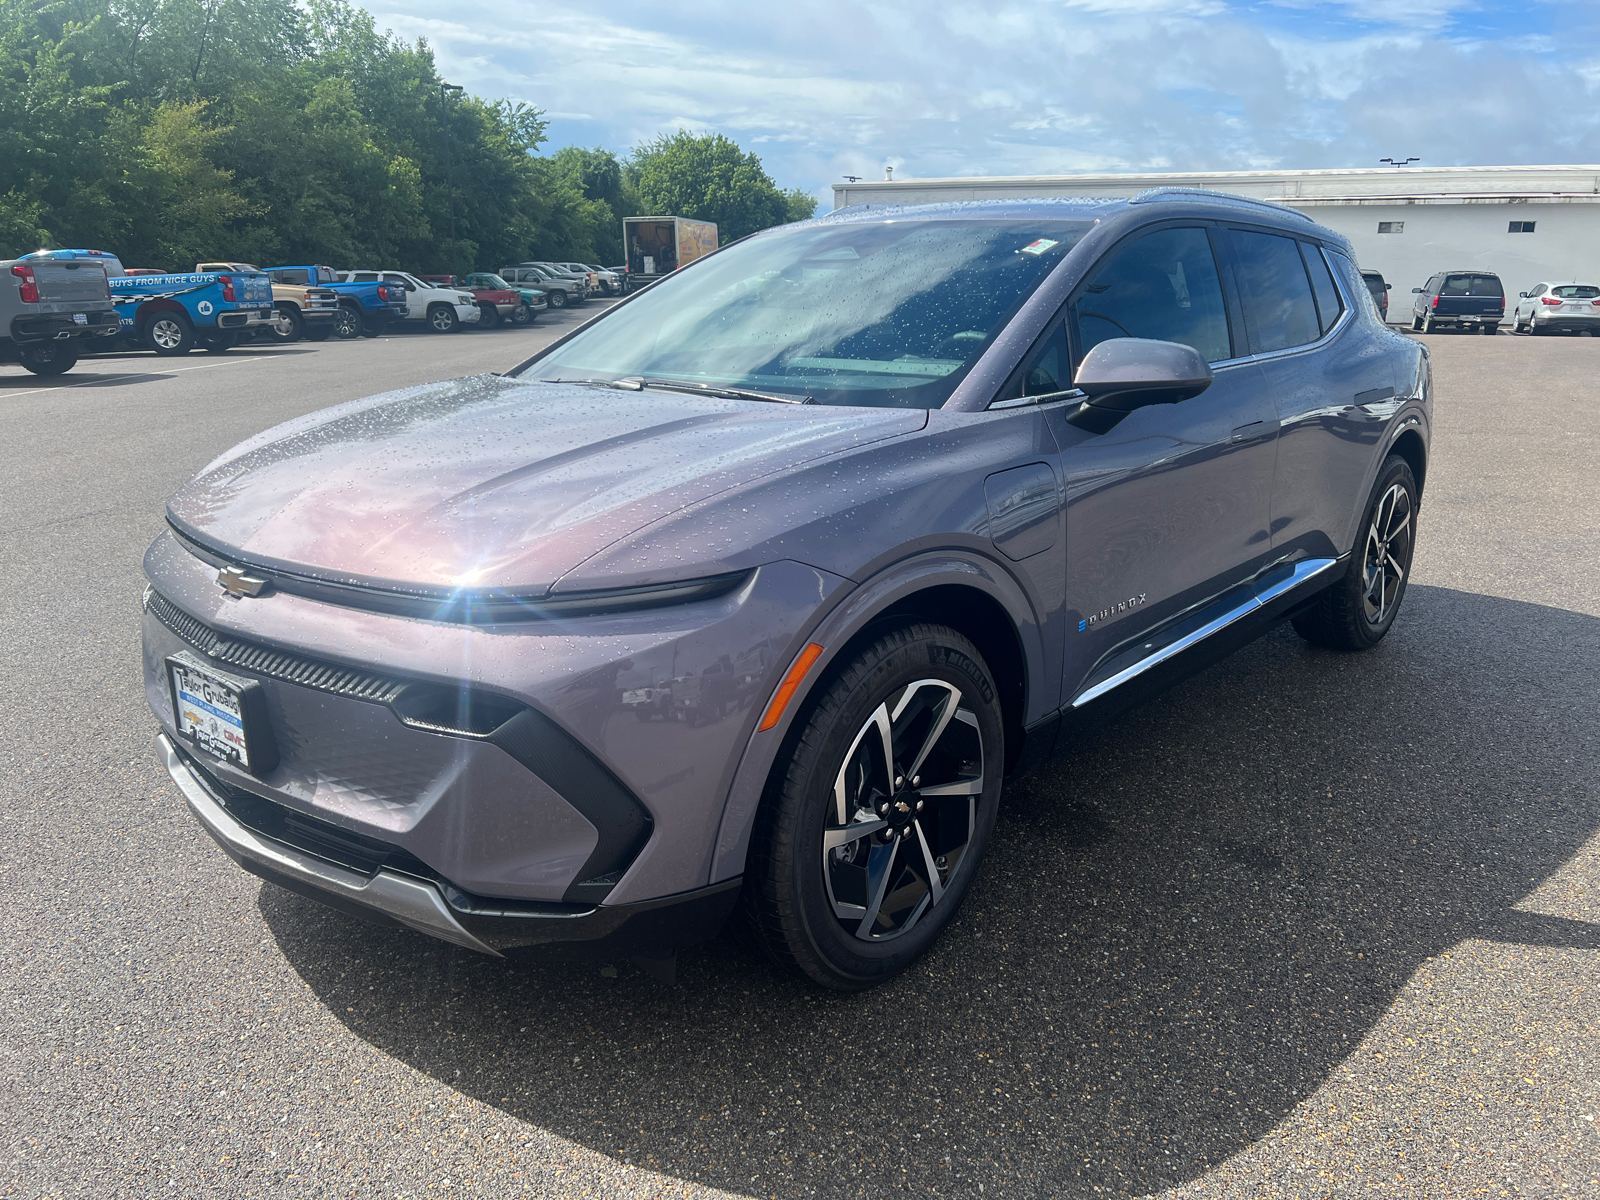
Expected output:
{"points": [[469, 314], [654, 929]]}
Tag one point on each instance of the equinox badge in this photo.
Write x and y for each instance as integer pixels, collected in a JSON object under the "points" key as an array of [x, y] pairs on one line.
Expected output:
{"points": [[238, 584]]}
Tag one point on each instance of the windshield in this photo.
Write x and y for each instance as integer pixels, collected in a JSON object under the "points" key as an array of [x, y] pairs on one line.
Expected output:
{"points": [[489, 282], [887, 314]]}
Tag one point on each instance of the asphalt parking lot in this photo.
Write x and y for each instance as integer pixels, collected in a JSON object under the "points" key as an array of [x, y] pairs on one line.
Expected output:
{"points": [[1309, 925]]}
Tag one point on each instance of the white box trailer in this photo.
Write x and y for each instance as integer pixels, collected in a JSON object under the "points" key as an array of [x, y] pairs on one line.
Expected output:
{"points": [[1525, 224], [657, 246]]}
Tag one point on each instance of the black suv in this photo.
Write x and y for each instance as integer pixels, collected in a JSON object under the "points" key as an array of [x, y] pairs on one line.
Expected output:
{"points": [[1463, 299]]}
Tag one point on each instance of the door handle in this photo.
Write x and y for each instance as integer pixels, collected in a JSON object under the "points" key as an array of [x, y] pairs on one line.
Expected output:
{"points": [[1248, 431]]}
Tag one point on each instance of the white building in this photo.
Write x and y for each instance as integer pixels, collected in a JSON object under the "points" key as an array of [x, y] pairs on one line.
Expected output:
{"points": [[1523, 223]]}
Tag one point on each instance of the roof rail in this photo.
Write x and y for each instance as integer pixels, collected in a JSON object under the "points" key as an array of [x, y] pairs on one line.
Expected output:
{"points": [[1211, 196]]}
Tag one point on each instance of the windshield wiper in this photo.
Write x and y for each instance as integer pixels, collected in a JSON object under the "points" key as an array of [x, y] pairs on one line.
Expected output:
{"points": [[636, 383], [726, 393]]}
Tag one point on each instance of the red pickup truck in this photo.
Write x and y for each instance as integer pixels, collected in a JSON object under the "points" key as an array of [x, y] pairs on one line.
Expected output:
{"points": [[497, 300]]}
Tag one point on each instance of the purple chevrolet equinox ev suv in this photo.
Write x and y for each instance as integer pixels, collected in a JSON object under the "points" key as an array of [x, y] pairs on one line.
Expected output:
{"points": [[751, 593]]}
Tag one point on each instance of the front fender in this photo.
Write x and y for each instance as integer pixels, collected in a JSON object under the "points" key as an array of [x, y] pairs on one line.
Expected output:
{"points": [[851, 612]]}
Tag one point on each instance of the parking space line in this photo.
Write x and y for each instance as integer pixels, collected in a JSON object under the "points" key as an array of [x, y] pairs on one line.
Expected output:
{"points": [[130, 375]]}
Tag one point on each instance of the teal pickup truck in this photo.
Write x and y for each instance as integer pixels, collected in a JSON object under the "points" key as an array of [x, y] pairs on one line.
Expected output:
{"points": [[172, 314]]}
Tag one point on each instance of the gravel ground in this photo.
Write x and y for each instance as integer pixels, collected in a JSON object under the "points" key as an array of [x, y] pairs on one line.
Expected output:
{"points": [[1309, 925]]}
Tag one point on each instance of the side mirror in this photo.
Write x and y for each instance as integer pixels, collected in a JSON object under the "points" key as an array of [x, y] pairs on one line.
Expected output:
{"points": [[1387, 286], [1122, 374], [1522, 295], [1416, 291]]}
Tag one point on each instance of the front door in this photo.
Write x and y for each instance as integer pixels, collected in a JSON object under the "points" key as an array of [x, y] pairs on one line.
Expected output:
{"points": [[1170, 507]]}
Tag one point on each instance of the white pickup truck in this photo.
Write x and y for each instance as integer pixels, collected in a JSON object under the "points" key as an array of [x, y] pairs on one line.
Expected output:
{"points": [[444, 309]]}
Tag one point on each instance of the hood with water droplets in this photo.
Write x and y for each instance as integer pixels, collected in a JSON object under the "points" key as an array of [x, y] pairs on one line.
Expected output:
{"points": [[486, 482]]}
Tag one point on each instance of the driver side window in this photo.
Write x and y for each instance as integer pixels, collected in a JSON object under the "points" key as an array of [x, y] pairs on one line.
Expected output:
{"points": [[1164, 286]]}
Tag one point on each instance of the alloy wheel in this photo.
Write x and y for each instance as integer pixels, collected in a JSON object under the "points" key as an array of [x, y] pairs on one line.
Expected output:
{"points": [[1387, 554], [904, 810], [166, 333]]}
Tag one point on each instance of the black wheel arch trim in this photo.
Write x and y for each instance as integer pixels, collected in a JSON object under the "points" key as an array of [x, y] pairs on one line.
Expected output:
{"points": [[854, 611]]}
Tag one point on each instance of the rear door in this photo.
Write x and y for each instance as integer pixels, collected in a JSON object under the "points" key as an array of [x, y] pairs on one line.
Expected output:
{"points": [[1170, 507], [1331, 383]]}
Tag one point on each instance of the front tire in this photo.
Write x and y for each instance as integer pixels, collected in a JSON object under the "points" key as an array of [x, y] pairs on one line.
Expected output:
{"points": [[880, 810], [442, 319], [348, 324], [1355, 613], [521, 315], [488, 316], [558, 298], [289, 327]]}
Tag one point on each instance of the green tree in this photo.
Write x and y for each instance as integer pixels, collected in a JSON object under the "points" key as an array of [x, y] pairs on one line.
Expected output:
{"points": [[709, 178]]}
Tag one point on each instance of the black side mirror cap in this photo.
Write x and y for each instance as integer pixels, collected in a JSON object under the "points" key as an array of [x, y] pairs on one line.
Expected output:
{"points": [[1522, 295], [1122, 374], [1416, 291]]}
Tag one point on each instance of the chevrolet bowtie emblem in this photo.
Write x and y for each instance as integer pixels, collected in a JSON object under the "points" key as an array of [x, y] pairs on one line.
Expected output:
{"points": [[238, 584]]}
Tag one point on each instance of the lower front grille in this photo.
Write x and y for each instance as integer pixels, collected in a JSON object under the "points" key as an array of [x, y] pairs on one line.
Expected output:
{"points": [[275, 664]]}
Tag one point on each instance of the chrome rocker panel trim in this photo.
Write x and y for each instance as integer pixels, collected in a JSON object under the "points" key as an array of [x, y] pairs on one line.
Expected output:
{"points": [[1302, 574], [411, 902]]}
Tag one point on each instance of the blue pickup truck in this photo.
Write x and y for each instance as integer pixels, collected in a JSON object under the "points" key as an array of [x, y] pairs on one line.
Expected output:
{"points": [[364, 308], [172, 314]]}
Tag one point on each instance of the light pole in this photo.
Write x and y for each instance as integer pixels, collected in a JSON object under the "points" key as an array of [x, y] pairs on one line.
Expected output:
{"points": [[449, 185]]}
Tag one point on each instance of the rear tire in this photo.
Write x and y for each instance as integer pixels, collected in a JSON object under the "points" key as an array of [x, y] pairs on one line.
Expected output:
{"points": [[1491, 330], [488, 316], [1356, 612], [219, 342], [373, 326], [169, 334], [843, 843], [1427, 323], [49, 358]]}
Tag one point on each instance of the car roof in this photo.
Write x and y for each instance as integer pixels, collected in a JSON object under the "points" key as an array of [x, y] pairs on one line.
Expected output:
{"points": [[1155, 203]]}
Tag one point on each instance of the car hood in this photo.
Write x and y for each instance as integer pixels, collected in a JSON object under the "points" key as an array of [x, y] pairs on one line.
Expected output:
{"points": [[486, 482]]}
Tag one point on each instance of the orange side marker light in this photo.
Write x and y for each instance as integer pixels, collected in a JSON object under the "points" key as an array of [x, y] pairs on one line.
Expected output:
{"points": [[790, 685]]}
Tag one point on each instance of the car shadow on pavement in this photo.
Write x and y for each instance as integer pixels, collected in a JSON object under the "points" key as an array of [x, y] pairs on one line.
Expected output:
{"points": [[1184, 926]]}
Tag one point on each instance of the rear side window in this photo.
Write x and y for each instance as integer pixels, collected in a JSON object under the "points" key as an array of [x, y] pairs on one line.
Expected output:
{"points": [[1164, 286], [1329, 306], [1275, 290]]}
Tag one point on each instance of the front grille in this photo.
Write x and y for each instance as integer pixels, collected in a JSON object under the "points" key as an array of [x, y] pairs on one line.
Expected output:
{"points": [[275, 664]]}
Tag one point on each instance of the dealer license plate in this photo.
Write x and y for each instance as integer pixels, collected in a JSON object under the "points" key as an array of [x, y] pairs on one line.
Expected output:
{"points": [[210, 709], [80, 319]]}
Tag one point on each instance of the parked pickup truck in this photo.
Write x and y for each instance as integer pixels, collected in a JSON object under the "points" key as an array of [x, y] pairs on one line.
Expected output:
{"points": [[172, 314], [365, 307], [497, 300], [52, 305], [303, 310], [561, 288], [444, 309]]}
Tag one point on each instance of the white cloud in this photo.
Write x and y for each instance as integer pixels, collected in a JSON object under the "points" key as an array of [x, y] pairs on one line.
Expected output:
{"points": [[946, 87]]}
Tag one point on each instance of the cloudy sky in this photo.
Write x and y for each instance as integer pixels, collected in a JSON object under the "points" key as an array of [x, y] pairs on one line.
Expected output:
{"points": [[956, 87]]}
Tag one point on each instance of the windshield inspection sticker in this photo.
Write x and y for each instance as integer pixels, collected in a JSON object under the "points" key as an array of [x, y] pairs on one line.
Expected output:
{"points": [[1039, 247]]}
